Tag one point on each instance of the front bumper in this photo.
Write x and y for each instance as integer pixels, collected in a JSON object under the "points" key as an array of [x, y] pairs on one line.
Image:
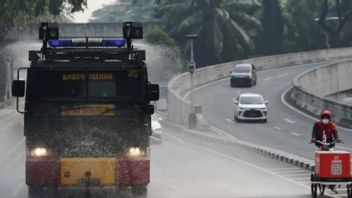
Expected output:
{"points": [[241, 81], [252, 114], [87, 172]]}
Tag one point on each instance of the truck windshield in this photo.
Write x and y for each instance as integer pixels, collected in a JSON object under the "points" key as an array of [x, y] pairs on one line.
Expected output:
{"points": [[85, 84]]}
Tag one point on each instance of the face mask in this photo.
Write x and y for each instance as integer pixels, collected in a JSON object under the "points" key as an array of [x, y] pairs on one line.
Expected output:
{"points": [[325, 121]]}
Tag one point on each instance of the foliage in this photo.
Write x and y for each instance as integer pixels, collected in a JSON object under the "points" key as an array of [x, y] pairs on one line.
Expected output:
{"points": [[160, 37], [271, 38], [224, 27], [334, 16], [19, 12], [236, 29], [127, 10], [302, 30]]}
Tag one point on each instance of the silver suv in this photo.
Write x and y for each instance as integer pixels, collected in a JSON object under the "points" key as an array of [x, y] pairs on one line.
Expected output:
{"points": [[251, 107], [243, 75]]}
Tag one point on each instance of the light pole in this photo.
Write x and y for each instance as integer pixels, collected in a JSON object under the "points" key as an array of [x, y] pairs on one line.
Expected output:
{"points": [[191, 68]]}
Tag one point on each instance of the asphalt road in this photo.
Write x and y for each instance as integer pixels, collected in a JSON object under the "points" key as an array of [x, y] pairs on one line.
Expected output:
{"points": [[180, 167], [286, 129]]}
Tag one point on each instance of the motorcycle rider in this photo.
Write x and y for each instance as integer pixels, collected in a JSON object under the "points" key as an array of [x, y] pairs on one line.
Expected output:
{"points": [[324, 130]]}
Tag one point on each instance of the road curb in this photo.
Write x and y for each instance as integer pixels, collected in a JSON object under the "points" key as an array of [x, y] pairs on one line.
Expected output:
{"points": [[275, 154]]}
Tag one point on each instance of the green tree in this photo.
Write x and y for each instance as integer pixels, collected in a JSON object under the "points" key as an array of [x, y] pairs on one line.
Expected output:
{"points": [[271, 38], [160, 37], [224, 27], [126, 10], [19, 12], [302, 31], [334, 16]]}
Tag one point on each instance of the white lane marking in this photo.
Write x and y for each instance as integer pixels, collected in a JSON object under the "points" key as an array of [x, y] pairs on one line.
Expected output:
{"points": [[222, 133], [300, 112], [295, 134], [282, 75], [175, 138], [269, 78], [267, 171], [291, 170], [297, 174], [290, 121], [229, 120], [248, 164], [303, 179], [285, 169], [344, 148], [277, 128]]}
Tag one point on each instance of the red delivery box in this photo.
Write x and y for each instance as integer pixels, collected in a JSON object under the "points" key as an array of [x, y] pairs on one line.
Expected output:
{"points": [[332, 164]]}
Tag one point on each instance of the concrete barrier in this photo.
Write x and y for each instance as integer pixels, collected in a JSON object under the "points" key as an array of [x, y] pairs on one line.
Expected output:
{"points": [[179, 107], [312, 88]]}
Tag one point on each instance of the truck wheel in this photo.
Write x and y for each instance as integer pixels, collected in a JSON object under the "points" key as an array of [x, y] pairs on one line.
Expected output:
{"points": [[34, 192], [139, 191], [42, 192]]}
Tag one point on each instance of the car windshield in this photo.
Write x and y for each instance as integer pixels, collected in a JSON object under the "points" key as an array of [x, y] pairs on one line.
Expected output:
{"points": [[251, 100], [242, 69]]}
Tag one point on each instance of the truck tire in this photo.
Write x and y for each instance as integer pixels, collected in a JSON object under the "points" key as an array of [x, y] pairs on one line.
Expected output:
{"points": [[139, 191], [43, 192]]}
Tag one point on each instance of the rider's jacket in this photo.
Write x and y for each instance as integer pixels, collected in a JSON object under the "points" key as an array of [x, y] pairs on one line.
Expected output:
{"points": [[329, 129]]}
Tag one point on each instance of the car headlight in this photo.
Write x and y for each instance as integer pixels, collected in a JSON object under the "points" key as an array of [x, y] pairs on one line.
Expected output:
{"points": [[39, 152], [135, 152]]}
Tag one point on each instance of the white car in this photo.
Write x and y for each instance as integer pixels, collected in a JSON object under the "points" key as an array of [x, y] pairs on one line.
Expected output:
{"points": [[250, 107], [156, 128]]}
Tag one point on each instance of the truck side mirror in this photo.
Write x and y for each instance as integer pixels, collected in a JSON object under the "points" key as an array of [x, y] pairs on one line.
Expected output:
{"points": [[18, 87], [152, 92], [149, 109]]}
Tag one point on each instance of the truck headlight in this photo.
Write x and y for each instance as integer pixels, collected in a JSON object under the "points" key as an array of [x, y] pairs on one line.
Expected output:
{"points": [[135, 151], [39, 152]]}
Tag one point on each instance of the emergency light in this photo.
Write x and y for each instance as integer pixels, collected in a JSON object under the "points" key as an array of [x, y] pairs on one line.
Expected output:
{"points": [[113, 42], [116, 42], [60, 43]]}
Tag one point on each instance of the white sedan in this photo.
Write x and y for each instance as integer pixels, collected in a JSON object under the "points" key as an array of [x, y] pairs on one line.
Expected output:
{"points": [[250, 107], [156, 129]]}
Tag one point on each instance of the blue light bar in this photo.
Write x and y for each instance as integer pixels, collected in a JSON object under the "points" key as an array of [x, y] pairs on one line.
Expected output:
{"points": [[114, 42], [60, 43]]}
